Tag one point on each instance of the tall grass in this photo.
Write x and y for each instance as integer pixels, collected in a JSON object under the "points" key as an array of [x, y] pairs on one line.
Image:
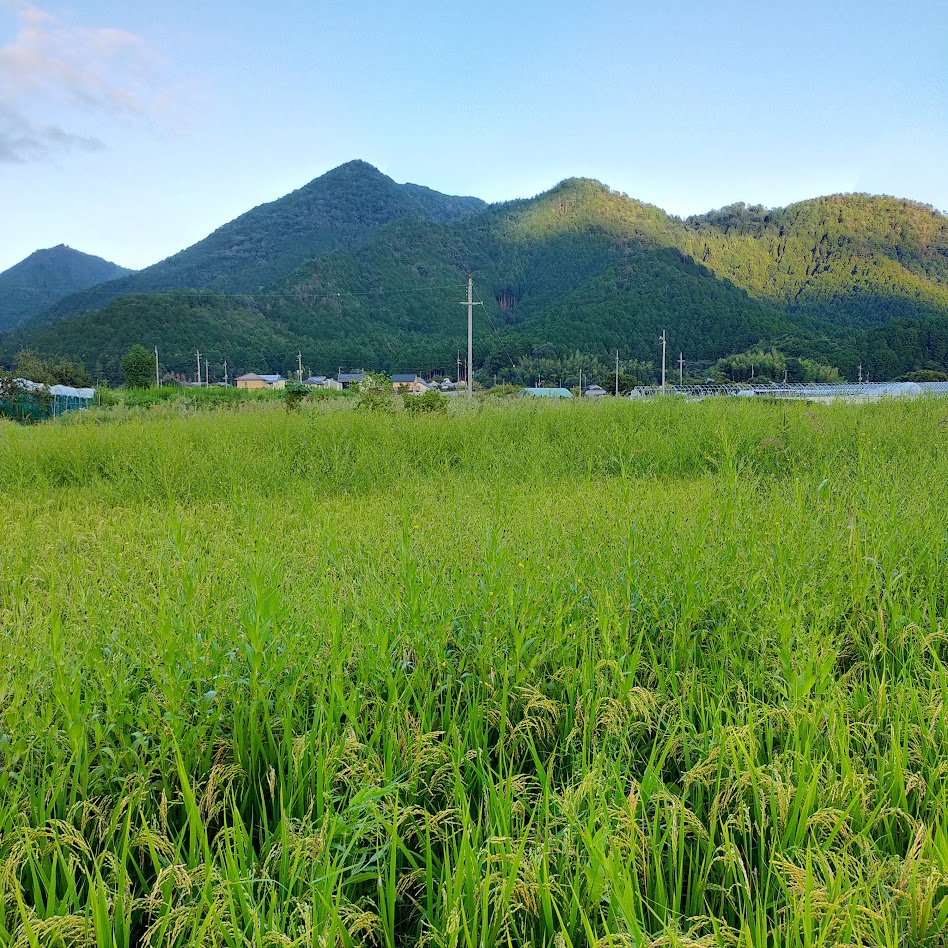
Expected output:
{"points": [[637, 674]]}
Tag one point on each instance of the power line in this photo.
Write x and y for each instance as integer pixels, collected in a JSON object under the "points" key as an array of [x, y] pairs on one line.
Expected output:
{"points": [[249, 295]]}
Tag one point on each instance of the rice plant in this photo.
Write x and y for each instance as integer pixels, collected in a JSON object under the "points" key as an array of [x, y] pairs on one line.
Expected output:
{"points": [[659, 674]]}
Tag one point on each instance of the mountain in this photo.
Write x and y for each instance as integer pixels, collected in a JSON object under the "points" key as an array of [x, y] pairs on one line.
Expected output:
{"points": [[845, 279], [47, 276], [340, 209], [847, 258]]}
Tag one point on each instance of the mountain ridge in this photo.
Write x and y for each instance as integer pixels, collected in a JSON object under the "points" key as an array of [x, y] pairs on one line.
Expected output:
{"points": [[47, 276], [578, 267], [339, 208]]}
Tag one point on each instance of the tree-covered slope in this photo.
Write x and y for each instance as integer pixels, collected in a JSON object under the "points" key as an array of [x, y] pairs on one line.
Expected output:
{"points": [[847, 279], [45, 277], [578, 267], [178, 322], [339, 209], [851, 259]]}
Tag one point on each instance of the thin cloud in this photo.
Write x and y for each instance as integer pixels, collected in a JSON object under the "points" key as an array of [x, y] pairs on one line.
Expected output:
{"points": [[23, 141], [54, 65]]}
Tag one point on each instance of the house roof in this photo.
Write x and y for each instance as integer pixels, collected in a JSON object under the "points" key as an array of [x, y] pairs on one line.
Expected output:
{"points": [[252, 376], [406, 377], [546, 392], [350, 376], [314, 379]]}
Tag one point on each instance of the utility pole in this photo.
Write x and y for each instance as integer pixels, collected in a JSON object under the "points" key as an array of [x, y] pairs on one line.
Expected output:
{"points": [[459, 367], [681, 368], [860, 373], [206, 375], [225, 373], [580, 383], [617, 373], [199, 366], [470, 304], [664, 344], [157, 376], [299, 363]]}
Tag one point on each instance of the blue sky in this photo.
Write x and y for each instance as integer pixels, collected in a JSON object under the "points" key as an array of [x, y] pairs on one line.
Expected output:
{"points": [[132, 130]]}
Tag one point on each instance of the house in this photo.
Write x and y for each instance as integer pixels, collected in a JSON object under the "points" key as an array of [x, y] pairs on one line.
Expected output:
{"points": [[349, 379], [545, 393], [252, 381], [411, 384], [323, 381], [595, 391]]}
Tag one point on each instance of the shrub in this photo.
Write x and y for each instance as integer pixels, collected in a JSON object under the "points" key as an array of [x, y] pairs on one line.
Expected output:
{"points": [[429, 403], [375, 393], [294, 394]]}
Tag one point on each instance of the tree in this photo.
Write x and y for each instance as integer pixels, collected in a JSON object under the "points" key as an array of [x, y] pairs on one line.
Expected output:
{"points": [[138, 367], [50, 371]]}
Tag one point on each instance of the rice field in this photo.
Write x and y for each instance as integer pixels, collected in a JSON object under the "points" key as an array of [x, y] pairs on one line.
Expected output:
{"points": [[658, 674]]}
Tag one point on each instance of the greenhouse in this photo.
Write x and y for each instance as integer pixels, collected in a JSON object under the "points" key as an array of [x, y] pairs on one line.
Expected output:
{"points": [[24, 400]]}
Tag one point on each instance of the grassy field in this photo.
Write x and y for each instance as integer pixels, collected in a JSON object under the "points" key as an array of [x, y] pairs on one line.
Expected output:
{"points": [[569, 675]]}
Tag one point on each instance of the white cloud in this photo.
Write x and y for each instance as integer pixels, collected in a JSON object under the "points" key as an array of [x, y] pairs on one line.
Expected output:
{"points": [[53, 67]]}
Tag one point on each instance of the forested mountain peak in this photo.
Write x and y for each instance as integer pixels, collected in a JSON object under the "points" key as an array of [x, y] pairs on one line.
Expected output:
{"points": [[868, 257], [45, 277], [338, 210], [586, 205], [858, 215], [355, 166]]}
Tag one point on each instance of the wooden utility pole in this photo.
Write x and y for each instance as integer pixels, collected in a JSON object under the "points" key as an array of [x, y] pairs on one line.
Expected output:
{"points": [[157, 376], [664, 345], [470, 304], [470, 335]]}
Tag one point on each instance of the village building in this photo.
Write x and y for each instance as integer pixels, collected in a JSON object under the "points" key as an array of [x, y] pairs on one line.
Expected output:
{"points": [[252, 381], [323, 381], [411, 384], [349, 379]]}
